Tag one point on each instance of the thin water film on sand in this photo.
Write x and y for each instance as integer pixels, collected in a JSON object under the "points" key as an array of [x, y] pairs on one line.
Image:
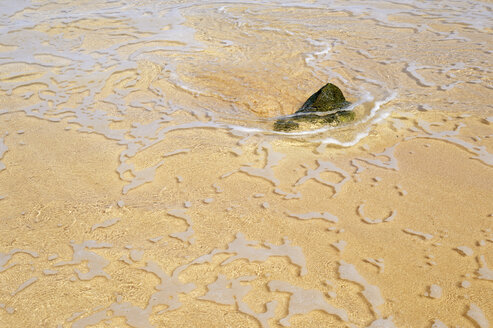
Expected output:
{"points": [[143, 183]]}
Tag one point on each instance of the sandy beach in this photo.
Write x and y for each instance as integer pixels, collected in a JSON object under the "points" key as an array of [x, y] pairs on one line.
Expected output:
{"points": [[142, 185]]}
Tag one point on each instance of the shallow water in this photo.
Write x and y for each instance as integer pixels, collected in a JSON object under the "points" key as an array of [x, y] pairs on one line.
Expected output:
{"points": [[142, 184]]}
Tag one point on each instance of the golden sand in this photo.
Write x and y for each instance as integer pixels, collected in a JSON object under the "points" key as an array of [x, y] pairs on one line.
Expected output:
{"points": [[59, 188], [190, 222]]}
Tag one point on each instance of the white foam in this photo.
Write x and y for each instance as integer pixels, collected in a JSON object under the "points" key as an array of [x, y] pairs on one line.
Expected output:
{"points": [[253, 251], [8, 309], [340, 245], [435, 291], [24, 285], [370, 292], [438, 324], [155, 239], [231, 292], [412, 68], [287, 195], [52, 257], [95, 263], [425, 236], [75, 316], [140, 177], [176, 152], [5, 258], [464, 251], [187, 235], [134, 316], [136, 255], [477, 316], [366, 219], [3, 149], [382, 323], [484, 272], [315, 215], [375, 116], [390, 164], [359, 167], [125, 259], [333, 141], [272, 159], [167, 291], [217, 188], [323, 166], [379, 263], [105, 224], [163, 34], [49, 272], [481, 152], [303, 301]]}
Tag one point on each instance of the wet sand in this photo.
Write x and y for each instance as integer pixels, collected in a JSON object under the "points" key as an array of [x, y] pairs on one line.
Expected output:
{"points": [[413, 211], [143, 209]]}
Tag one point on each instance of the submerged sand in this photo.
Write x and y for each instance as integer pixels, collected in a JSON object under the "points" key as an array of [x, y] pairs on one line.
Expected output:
{"points": [[143, 209], [418, 217]]}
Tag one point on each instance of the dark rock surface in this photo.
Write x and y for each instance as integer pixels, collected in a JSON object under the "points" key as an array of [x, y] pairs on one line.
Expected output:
{"points": [[328, 99]]}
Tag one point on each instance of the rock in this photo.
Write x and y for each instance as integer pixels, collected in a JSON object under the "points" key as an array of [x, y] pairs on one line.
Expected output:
{"points": [[328, 99], [285, 124]]}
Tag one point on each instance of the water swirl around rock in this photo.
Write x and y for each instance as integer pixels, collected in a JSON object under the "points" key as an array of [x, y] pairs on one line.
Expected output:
{"points": [[326, 106]]}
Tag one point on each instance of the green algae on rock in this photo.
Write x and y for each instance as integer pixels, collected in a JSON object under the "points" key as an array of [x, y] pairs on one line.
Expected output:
{"points": [[328, 99]]}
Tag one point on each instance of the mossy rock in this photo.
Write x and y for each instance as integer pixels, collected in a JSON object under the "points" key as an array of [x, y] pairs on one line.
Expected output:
{"points": [[328, 99]]}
